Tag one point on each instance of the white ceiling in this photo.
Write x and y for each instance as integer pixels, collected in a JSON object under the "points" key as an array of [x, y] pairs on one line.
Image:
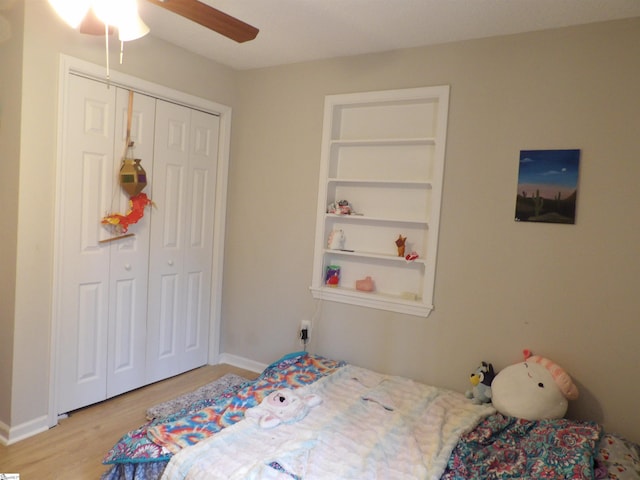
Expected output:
{"points": [[300, 30]]}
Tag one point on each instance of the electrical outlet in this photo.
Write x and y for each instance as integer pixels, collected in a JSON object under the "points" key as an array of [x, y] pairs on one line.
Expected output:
{"points": [[305, 325]]}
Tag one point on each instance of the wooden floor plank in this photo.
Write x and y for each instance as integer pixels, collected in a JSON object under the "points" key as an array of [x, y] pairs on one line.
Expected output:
{"points": [[74, 449]]}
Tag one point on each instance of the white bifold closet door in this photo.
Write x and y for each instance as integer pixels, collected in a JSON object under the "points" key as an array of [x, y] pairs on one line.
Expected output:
{"points": [[186, 148], [137, 309], [103, 301]]}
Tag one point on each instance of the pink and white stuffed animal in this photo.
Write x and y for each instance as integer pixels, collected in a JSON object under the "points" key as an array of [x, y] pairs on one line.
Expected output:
{"points": [[282, 406], [535, 389]]}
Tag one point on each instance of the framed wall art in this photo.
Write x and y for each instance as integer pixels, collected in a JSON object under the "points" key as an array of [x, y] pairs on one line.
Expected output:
{"points": [[547, 186]]}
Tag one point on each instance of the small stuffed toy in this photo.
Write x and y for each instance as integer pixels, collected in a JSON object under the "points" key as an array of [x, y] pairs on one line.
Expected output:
{"points": [[282, 406], [535, 389], [481, 380]]}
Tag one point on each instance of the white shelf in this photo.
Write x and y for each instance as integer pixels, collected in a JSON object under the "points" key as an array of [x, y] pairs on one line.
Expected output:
{"points": [[364, 218], [362, 142], [390, 183], [383, 152], [377, 256], [379, 301]]}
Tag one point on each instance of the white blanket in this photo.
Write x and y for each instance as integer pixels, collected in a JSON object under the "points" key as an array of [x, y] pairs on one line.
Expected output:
{"points": [[368, 426]]}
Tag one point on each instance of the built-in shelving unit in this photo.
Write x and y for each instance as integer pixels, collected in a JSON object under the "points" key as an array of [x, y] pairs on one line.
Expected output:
{"points": [[383, 152]]}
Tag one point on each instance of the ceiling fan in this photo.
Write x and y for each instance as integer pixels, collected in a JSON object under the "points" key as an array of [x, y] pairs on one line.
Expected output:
{"points": [[91, 21]]}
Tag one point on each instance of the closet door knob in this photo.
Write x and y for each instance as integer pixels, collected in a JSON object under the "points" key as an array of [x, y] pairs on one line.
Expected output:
{"points": [[127, 266], [170, 263]]}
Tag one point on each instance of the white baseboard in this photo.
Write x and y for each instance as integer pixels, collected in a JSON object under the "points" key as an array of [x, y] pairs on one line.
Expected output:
{"points": [[11, 435], [241, 362]]}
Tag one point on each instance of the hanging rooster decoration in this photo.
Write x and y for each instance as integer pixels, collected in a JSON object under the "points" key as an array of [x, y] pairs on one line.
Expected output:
{"points": [[132, 179], [137, 204]]}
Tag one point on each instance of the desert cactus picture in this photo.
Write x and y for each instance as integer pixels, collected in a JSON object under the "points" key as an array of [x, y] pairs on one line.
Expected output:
{"points": [[547, 186]]}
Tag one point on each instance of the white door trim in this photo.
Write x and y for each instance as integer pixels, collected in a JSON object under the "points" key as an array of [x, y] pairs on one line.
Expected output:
{"points": [[71, 65]]}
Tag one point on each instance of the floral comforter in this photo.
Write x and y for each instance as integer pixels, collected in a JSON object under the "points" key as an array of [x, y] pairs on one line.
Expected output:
{"points": [[507, 447]]}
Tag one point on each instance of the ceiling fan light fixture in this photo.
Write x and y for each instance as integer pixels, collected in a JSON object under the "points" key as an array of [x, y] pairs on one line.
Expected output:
{"points": [[71, 11], [122, 14], [132, 28], [113, 12]]}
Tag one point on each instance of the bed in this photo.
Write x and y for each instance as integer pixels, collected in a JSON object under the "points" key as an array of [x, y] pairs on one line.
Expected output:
{"points": [[366, 425]]}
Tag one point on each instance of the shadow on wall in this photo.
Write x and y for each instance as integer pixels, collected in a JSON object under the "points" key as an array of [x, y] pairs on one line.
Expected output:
{"points": [[586, 407]]}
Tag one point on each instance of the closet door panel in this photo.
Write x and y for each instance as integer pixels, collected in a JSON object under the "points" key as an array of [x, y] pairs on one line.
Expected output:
{"points": [[166, 279], [168, 311], [88, 349], [129, 262], [199, 230], [84, 272], [181, 240], [193, 332], [122, 351], [172, 217]]}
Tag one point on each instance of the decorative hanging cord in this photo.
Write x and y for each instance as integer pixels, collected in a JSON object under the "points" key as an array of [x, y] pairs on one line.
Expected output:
{"points": [[128, 147], [106, 48], [129, 143]]}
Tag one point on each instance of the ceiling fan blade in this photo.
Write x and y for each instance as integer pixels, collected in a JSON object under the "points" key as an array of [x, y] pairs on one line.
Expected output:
{"points": [[211, 18]]}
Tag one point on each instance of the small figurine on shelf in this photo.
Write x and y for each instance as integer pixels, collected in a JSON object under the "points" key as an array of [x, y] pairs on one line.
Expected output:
{"points": [[365, 285], [400, 242], [332, 278], [336, 239], [341, 207], [411, 256]]}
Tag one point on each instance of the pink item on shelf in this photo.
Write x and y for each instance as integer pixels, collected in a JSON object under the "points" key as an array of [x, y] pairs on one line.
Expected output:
{"points": [[411, 257], [365, 285]]}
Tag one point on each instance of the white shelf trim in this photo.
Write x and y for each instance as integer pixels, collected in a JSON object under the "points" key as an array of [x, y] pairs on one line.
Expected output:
{"points": [[378, 256], [376, 300], [365, 218], [378, 142], [366, 181]]}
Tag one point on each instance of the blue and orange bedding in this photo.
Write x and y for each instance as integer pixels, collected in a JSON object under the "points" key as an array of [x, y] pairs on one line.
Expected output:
{"points": [[206, 417]]}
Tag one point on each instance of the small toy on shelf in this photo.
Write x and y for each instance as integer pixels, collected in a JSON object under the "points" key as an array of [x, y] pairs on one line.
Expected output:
{"points": [[365, 285], [481, 380], [336, 239], [341, 207], [400, 243], [411, 256], [332, 278]]}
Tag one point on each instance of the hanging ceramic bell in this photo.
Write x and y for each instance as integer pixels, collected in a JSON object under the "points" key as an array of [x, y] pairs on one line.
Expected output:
{"points": [[133, 178]]}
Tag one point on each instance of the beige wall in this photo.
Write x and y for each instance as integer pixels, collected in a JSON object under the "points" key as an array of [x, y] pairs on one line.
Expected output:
{"points": [[566, 292], [45, 38], [10, 92]]}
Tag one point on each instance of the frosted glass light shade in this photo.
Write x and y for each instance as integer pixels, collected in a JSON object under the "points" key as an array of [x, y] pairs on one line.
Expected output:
{"points": [[122, 14], [132, 28], [112, 12], [71, 11]]}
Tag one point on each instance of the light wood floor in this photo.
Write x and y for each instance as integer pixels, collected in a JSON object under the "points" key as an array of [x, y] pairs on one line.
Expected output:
{"points": [[74, 449]]}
